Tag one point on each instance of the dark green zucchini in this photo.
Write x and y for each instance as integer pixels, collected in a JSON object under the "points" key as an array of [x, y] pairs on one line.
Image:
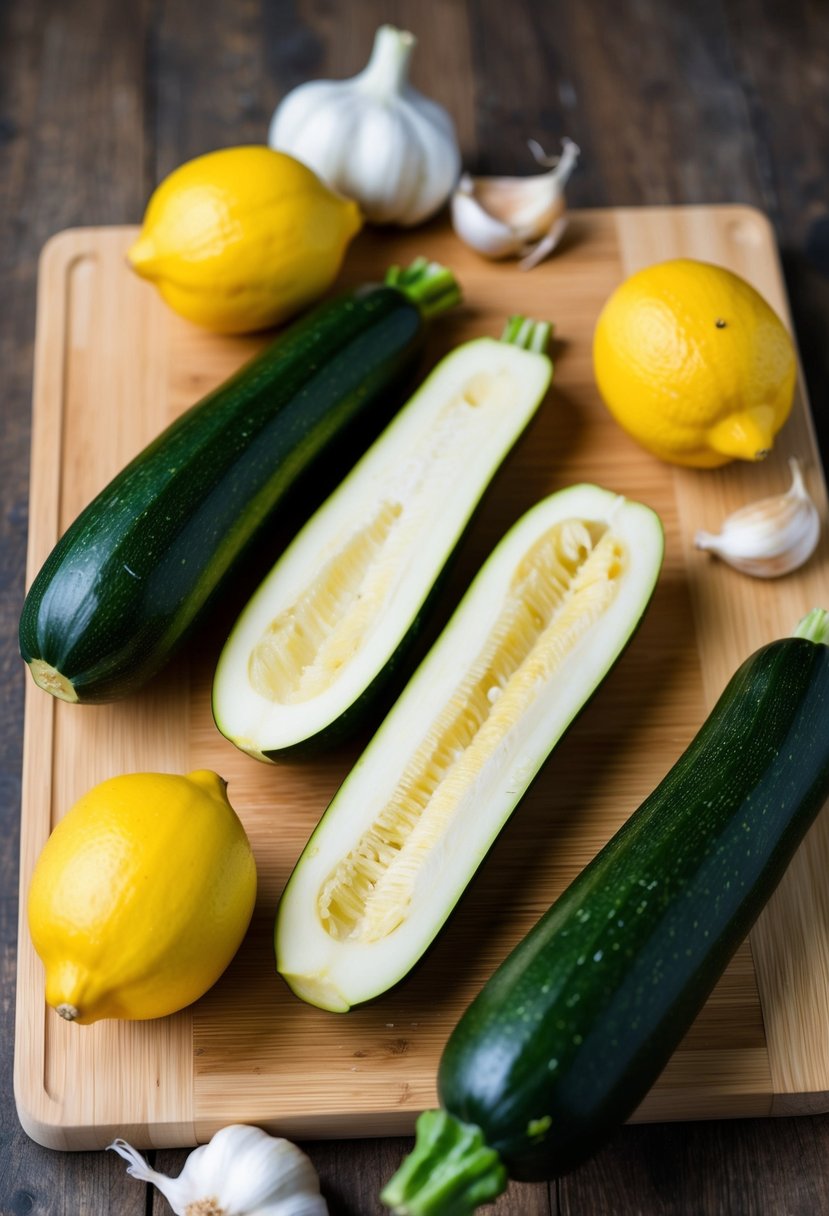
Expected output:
{"points": [[138, 566], [564, 1041]]}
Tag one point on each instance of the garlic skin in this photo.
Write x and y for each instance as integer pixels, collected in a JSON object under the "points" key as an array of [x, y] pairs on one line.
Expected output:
{"points": [[242, 1171], [516, 216], [373, 137], [770, 537]]}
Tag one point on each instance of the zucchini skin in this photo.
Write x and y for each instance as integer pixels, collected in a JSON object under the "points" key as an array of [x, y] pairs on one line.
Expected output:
{"points": [[565, 1040], [138, 566]]}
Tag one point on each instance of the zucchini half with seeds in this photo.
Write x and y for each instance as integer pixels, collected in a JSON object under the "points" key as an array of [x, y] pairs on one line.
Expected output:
{"points": [[137, 568], [564, 1041], [542, 624], [322, 633]]}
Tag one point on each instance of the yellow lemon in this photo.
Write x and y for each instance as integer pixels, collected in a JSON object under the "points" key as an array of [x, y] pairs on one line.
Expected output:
{"points": [[694, 364], [141, 896], [241, 239]]}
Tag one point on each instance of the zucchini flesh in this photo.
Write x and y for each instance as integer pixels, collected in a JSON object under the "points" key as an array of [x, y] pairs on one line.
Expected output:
{"points": [[564, 1041], [536, 633], [137, 568], [325, 629]]}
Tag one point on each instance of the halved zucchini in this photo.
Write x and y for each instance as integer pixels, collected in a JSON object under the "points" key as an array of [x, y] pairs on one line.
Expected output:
{"points": [[319, 637], [538, 630]]}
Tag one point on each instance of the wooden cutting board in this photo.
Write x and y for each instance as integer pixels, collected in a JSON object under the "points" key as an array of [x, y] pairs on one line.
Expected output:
{"points": [[114, 366]]}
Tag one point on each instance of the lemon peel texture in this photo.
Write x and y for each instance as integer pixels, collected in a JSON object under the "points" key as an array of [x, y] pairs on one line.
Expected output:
{"points": [[241, 239], [141, 896], [694, 364]]}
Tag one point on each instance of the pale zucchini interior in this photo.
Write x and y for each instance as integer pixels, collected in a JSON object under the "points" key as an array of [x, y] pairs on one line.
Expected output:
{"points": [[560, 588], [305, 647], [539, 628]]}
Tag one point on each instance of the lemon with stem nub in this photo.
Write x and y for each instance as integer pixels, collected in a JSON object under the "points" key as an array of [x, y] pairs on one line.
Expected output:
{"points": [[141, 896], [241, 239], [694, 364]]}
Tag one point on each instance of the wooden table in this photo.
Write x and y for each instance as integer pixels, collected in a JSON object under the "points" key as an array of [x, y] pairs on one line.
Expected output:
{"points": [[687, 102]]}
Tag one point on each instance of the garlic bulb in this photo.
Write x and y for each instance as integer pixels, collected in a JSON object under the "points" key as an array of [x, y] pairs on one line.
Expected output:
{"points": [[509, 216], [373, 137], [242, 1171], [770, 537]]}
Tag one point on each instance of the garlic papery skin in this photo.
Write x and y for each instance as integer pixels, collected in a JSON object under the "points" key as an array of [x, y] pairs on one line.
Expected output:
{"points": [[374, 138], [770, 537], [242, 1171], [523, 217]]}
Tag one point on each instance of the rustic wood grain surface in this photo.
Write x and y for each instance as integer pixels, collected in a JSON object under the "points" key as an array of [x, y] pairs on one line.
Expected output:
{"points": [[704, 101]]}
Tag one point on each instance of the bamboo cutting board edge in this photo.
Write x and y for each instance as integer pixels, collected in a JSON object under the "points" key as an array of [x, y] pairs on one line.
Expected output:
{"points": [[40, 1041], [171, 1095]]}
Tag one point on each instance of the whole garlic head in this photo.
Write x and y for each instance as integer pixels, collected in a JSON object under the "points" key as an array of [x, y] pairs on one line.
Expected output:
{"points": [[242, 1171], [374, 138]]}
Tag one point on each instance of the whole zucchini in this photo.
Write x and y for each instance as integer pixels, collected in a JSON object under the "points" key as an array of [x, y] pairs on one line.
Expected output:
{"points": [[135, 570], [565, 1040], [325, 630]]}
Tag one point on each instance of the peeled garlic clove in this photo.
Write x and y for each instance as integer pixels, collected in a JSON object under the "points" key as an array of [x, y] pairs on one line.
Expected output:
{"points": [[770, 537], [516, 216]]}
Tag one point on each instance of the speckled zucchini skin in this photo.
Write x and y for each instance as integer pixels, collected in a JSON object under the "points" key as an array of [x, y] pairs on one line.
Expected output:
{"points": [[136, 569], [567, 1037]]}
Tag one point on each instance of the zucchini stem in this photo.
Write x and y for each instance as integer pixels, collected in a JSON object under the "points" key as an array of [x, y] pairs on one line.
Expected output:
{"points": [[528, 334], [432, 287], [450, 1171], [814, 627]]}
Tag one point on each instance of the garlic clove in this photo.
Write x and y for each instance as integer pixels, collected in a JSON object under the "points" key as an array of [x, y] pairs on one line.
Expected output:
{"points": [[479, 227], [516, 216], [770, 537]]}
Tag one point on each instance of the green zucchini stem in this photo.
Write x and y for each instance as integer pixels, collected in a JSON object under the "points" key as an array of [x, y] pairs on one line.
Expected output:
{"points": [[814, 627], [450, 1171], [528, 334], [432, 287]]}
